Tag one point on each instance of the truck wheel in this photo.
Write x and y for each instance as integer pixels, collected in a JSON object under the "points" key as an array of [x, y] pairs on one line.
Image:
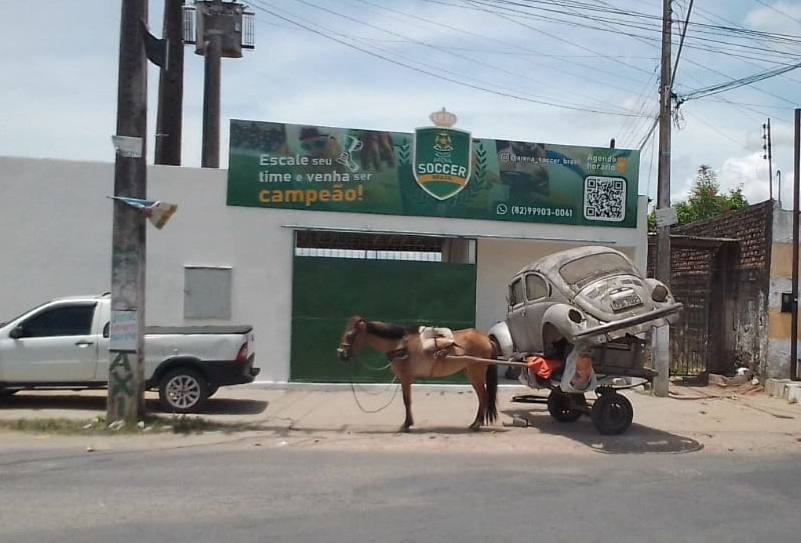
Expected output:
{"points": [[183, 390], [612, 413], [562, 407]]}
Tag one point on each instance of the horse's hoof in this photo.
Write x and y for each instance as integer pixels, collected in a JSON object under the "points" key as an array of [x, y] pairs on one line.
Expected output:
{"points": [[475, 427], [404, 429]]}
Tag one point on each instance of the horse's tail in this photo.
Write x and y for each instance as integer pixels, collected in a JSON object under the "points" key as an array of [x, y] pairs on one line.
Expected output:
{"points": [[491, 414]]}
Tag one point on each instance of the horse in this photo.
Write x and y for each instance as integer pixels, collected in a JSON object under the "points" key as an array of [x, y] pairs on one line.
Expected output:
{"points": [[403, 348]]}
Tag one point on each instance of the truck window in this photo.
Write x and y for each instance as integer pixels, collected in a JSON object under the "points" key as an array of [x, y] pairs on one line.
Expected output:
{"points": [[68, 320]]}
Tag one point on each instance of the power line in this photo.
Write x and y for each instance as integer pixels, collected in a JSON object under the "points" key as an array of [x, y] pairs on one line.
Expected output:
{"points": [[777, 10], [435, 74], [733, 84]]}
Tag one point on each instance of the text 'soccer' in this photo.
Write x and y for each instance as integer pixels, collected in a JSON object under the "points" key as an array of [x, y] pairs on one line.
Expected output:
{"points": [[434, 172]]}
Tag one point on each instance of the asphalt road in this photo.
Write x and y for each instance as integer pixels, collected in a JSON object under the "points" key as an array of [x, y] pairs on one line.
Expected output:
{"points": [[251, 490]]}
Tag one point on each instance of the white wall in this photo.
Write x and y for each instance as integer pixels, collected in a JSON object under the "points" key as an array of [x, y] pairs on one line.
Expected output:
{"points": [[56, 221]]}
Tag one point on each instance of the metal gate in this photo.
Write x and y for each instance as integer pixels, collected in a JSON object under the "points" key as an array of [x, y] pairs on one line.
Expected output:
{"points": [[689, 337], [391, 280], [701, 279]]}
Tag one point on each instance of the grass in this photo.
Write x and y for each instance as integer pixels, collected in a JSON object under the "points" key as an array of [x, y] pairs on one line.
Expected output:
{"points": [[175, 424]]}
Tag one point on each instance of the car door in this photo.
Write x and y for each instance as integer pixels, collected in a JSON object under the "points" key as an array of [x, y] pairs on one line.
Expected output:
{"points": [[517, 316], [54, 345], [538, 291]]}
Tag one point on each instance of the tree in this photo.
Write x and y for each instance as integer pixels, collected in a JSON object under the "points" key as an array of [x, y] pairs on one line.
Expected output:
{"points": [[705, 200]]}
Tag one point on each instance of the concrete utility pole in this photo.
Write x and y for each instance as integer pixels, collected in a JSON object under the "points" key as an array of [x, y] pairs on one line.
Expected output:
{"points": [[768, 154], [171, 87], [794, 315], [223, 30], [211, 102], [126, 368], [662, 335]]}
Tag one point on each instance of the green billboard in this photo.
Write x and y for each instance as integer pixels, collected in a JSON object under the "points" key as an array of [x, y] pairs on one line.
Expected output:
{"points": [[435, 172]]}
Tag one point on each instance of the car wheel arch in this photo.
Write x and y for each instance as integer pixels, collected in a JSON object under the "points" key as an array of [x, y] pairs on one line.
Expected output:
{"points": [[171, 364]]}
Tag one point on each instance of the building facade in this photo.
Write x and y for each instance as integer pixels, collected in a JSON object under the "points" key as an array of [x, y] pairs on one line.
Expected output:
{"points": [[239, 249]]}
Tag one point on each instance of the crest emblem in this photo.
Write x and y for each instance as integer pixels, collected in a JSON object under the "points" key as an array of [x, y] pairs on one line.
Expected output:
{"points": [[442, 157]]}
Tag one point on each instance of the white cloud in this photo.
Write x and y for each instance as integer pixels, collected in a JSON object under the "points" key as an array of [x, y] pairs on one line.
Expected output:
{"points": [[781, 17], [748, 172]]}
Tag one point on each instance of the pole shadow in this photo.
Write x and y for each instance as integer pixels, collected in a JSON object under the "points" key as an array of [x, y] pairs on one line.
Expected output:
{"points": [[76, 401]]}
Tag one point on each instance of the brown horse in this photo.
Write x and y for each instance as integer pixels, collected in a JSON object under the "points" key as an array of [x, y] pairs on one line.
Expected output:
{"points": [[408, 359]]}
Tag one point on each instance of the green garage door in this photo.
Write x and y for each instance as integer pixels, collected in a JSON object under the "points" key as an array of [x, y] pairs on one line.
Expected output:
{"points": [[328, 291]]}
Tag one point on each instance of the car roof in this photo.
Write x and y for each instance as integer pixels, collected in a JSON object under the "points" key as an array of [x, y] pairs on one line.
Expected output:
{"points": [[556, 260]]}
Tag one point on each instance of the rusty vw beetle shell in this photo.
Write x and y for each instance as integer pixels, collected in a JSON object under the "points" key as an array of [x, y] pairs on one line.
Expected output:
{"points": [[590, 295]]}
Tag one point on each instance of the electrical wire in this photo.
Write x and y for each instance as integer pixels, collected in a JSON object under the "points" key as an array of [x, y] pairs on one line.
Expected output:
{"points": [[260, 6]]}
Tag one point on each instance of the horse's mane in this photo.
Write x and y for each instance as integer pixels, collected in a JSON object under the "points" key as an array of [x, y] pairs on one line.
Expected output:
{"points": [[388, 330]]}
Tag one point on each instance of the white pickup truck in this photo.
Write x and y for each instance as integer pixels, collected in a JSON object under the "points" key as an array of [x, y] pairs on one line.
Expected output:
{"points": [[64, 344]]}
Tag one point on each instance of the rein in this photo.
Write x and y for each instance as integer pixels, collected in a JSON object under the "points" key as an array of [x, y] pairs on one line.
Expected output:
{"points": [[356, 397], [350, 337]]}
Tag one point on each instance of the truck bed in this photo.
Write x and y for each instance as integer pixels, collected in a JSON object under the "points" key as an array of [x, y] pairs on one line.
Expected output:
{"points": [[210, 329]]}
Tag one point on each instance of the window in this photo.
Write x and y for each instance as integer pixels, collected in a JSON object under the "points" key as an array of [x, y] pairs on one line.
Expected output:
{"points": [[384, 247], [536, 287], [207, 292], [516, 293], [71, 320], [583, 270]]}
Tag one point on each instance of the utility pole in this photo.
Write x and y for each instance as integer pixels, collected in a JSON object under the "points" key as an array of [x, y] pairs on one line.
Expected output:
{"points": [[767, 154], [210, 157], [223, 30], [794, 314], [662, 334], [126, 342], [171, 87]]}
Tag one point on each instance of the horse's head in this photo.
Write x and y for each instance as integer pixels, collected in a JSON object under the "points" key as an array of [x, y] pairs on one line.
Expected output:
{"points": [[347, 344]]}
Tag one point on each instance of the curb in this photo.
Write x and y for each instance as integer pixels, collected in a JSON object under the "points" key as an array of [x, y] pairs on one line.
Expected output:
{"points": [[784, 389]]}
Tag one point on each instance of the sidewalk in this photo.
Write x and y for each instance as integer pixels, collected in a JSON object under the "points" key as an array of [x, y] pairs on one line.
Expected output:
{"points": [[707, 419]]}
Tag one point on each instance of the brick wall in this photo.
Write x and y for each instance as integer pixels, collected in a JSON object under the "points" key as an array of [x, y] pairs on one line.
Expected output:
{"points": [[724, 287]]}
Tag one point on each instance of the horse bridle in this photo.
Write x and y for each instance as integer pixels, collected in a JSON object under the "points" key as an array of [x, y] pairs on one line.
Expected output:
{"points": [[345, 349]]}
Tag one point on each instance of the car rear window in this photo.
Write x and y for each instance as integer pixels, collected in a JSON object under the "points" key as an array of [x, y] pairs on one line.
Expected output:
{"points": [[587, 268]]}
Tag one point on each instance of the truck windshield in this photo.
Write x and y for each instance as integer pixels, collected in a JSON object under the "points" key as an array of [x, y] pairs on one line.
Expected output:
{"points": [[583, 270]]}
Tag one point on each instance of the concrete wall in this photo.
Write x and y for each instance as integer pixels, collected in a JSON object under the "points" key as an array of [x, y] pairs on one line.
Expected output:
{"points": [[779, 324], [56, 221]]}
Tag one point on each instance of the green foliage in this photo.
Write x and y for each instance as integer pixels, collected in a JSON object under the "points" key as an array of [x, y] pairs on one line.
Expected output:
{"points": [[705, 200]]}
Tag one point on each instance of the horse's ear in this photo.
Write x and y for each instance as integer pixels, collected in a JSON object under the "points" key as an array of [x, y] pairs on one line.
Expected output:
{"points": [[361, 325]]}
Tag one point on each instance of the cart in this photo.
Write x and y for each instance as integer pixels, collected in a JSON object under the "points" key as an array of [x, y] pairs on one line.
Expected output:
{"points": [[616, 366]]}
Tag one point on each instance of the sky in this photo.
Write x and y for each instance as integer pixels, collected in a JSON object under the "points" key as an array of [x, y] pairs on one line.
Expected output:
{"points": [[571, 72]]}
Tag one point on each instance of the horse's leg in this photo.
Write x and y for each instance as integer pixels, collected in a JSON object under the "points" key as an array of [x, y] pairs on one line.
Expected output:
{"points": [[476, 373], [405, 378], [406, 387]]}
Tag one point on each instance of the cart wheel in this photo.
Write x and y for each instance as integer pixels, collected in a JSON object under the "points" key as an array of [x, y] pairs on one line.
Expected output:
{"points": [[561, 406], [612, 413]]}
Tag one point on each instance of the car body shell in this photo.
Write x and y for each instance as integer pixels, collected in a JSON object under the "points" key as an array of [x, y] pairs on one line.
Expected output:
{"points": [[587, 296]]}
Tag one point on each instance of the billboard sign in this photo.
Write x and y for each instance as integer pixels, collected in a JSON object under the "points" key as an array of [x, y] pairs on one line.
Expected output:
{"points": [[435, 172]]}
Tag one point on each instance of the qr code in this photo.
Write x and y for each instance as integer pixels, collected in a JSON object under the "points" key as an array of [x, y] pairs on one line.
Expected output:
{"points": [[605, 198]]}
